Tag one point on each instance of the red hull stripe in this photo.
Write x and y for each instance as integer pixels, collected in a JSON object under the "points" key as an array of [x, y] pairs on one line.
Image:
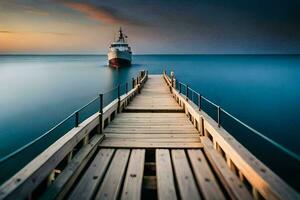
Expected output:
{"points": [[117, 62]]}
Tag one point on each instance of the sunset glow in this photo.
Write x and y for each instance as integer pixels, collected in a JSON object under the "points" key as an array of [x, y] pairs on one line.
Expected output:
{"points": [[64, 26]]}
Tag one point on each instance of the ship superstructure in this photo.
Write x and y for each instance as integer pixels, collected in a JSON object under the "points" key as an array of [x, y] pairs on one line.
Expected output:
{"points": [[119, 53]]}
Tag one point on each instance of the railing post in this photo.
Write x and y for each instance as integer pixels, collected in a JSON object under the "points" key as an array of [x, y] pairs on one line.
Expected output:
{"points": [[76, 119], [179, 87], [126, 87], [172, 79], [101, 113], [175, 83], [119, 98], [132, 83], [219, 119], [187, 92], [119, 94], [199, 101]]}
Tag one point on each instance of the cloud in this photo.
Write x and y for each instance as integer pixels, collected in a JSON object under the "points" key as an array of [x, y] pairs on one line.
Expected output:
{"points": [[106, 15], [28, 32], [37, 12]]}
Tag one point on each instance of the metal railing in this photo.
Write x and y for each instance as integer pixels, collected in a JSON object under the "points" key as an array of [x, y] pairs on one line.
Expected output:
{"points": [[27, 152], [218, 114]]}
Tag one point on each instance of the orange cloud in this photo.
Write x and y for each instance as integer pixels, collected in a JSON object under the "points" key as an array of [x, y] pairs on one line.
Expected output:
{"points": [[98, 13]]}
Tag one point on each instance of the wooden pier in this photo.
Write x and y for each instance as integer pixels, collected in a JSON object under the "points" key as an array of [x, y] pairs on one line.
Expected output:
{"points": [[152, 143]]}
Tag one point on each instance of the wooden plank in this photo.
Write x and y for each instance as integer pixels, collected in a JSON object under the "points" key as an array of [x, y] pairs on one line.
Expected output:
{"points": [[186, 184], [156, 130], [118, 144], [157, 127], [88, 184], [134, 176], [149, 136], [59, 188], [120, 131], [204, 176], [153, 140], [231, 183], [112, 182], [164, 173], [154, 120], [151, 116]]}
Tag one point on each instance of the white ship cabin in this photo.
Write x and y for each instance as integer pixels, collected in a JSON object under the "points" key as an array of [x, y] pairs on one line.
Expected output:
{"points": [[120, 42]]}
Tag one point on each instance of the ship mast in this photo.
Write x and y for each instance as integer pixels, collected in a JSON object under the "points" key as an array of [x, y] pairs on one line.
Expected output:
{"points": [[121, 36]]}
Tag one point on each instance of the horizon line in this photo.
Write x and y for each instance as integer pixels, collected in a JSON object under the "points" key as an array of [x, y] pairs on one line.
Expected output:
{"points": [[146, 54]]}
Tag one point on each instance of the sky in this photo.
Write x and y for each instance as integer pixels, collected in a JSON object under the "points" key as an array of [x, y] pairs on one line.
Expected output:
{"points": [[152, 26]]}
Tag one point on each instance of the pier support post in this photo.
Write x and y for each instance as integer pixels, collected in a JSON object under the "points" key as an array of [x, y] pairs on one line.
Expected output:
{"points": [[126, 87]]}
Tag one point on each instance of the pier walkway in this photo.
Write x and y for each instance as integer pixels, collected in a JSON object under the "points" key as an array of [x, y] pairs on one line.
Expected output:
{"points": [[155, 144]]}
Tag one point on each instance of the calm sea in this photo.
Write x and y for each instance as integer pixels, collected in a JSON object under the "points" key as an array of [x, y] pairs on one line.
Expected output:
{"points": [[37, 92]]}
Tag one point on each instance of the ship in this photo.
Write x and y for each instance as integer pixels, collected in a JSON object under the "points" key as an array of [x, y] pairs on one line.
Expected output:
{"points": [[119, 53]]}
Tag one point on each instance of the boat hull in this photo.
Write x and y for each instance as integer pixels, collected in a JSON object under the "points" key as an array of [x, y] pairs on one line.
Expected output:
{"points": [[119, 58], [118, 62]]}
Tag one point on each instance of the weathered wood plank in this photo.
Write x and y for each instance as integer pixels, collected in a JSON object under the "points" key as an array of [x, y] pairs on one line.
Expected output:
{"points": [[154, 140], [164, 173], [204, 176], [146, 136], [231, 183], [112, 182], [152, 131], [59, 188], [88, 184], [118, 144], [144, 130], [134, 176], [186, 184]]}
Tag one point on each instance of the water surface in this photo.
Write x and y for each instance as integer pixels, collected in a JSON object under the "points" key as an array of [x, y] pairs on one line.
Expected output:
{"points": [[37, 92]]}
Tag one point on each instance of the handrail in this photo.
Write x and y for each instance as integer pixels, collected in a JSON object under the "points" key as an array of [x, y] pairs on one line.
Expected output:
{"points": [[209, 101], [10, 155], [281, 147], [17, 151], [83, 107], [287, 151]]}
